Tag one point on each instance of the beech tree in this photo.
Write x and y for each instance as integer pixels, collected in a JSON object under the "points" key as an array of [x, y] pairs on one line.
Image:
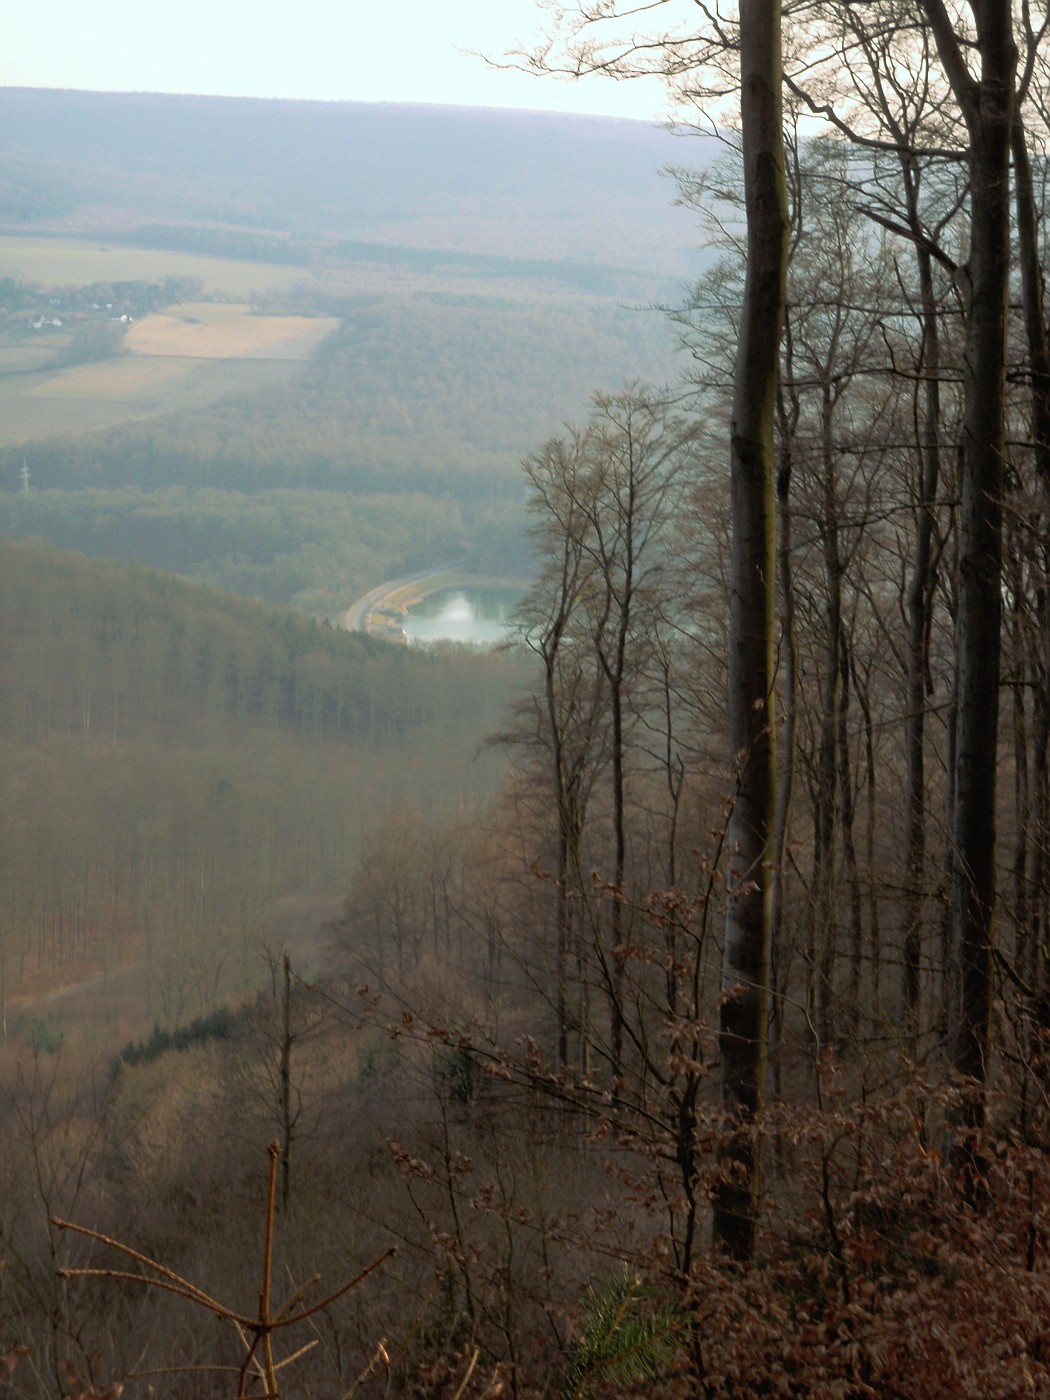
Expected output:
{"points": [[986, 101], [745, 982], [562, 726]]}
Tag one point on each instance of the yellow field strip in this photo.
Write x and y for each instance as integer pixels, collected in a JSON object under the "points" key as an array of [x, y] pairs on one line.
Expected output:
{"points": [[125, 378], [229, 337]]}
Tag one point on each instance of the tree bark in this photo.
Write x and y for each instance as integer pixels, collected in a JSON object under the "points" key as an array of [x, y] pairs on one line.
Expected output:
{"points": [[745, 976]]}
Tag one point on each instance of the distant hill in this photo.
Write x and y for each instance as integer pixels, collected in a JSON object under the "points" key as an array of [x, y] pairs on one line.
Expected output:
{"points": [[516, 184], [109, 651]]}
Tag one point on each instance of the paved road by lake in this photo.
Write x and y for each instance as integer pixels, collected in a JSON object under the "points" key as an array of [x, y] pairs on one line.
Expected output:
{"points": [[355, 619]]}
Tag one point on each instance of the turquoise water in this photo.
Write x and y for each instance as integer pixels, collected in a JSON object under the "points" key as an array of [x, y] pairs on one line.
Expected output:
{"points": [[478, 615]]}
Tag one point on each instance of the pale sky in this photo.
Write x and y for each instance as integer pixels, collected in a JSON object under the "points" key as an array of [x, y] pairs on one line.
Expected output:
{"points": [[335, 50]]}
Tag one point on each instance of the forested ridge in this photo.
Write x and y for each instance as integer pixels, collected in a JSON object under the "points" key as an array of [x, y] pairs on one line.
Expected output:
{"points": [[137, 652], [491, 182], [709, 1056], [177, 760], [315, 550]]}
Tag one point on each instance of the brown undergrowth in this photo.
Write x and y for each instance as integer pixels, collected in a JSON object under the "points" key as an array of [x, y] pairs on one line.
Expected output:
{"points": [[552, 1236]]}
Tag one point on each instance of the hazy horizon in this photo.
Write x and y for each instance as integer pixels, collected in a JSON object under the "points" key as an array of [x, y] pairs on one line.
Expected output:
{"points": [[494, 107], [411, 54]]}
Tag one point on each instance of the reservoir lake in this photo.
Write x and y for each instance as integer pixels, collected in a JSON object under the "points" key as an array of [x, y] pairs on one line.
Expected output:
{"points": [[480, 615]]}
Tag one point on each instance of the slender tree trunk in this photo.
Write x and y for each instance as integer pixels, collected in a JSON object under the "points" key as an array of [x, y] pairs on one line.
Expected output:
{"points": [[825, 871], [919, 606], [779, 955], [1019, 681], [285, 1081], [616, 933], [1031, 898], [745, 976], [1038, 964], [1033, 299], [788, 412], [847, 787], [861, 689], [566, 835]]}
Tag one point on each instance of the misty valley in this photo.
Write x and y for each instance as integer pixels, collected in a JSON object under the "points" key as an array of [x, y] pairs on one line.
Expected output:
{"points": [[525, 720]]}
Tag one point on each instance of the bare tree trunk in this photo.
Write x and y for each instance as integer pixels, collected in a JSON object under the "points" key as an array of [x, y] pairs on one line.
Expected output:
{"points": [[827, 809], [285, 1085], [919, 607], [745, 975], [987, 107], [847, 803], [567, 712], [779, 955], [1031, 913], [615, 671]]}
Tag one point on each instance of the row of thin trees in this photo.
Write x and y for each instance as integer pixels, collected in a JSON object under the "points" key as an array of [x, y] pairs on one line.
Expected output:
{"points": [[869, 589], [889, 387]]}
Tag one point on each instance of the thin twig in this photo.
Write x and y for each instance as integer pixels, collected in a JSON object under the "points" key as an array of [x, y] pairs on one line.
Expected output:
{"points": [[201, 1297], [470, 1371]]}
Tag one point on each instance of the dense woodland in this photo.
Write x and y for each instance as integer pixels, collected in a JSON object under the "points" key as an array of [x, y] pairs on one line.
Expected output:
{"points": [[709, 1059], [441, 371]]}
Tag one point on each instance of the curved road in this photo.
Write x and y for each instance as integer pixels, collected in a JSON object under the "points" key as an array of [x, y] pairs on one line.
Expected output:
{"points": [[356, 616]]}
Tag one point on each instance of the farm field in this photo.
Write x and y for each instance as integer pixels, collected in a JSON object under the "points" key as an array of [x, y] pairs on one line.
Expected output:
{"points": [[76, 263], [99, 395], [369, 422], [186, 359], [225, 331]]}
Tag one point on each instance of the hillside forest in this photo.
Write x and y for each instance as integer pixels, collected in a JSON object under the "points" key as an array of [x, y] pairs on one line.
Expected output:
{"points": [[656, 1004]]}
